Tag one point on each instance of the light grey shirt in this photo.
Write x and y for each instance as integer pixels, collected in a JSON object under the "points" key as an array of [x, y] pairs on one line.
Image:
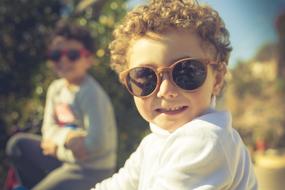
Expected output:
{"points": [[88, 108]]}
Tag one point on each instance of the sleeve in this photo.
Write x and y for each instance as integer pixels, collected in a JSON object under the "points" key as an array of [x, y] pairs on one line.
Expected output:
{"points": [[99, 122], [127, 177], [51, 130], [196, 163]]}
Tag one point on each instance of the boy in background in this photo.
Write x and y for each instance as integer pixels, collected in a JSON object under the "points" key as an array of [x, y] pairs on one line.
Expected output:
{"points": [[79, 138]]}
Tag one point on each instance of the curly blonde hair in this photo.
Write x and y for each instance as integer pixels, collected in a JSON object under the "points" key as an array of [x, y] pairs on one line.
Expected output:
{"points": [[158, 16]]}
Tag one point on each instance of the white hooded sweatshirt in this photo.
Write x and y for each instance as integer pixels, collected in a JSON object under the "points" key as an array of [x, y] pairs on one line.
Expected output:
{"points": [[204, 154]]}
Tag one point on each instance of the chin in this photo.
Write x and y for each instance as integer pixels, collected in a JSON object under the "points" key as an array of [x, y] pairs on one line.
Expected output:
{"points": [[170, 126]]}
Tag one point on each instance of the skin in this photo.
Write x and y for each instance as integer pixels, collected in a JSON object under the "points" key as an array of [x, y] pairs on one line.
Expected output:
{"points": [[75, 141], [170, 107], [74, 73], [49, 147]]}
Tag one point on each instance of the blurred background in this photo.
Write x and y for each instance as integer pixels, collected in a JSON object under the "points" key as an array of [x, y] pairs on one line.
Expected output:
{"points": [[255, 83]]}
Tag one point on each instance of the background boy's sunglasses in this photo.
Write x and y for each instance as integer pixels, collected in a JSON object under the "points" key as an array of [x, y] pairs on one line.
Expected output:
{"points": [[71, 54], [188, 74]]}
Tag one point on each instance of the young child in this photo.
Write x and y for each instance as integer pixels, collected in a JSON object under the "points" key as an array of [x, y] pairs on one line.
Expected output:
{"points": [[172, 57], [79, 130]]}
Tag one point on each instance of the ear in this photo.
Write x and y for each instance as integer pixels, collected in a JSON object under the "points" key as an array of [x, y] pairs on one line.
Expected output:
{"points": [[219, 80]]}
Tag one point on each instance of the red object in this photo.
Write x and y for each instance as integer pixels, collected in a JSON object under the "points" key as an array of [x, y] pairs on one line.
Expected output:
{"points": [[64, 114], [260, 145], [11, 180]]}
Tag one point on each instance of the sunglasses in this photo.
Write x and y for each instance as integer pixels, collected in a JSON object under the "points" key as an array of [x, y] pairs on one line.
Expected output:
{"points": [[188, 74], [71, 54]]}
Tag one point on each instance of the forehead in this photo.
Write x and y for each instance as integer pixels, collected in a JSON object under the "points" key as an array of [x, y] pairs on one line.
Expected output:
{"points": [[60, 42], [164, 49]]}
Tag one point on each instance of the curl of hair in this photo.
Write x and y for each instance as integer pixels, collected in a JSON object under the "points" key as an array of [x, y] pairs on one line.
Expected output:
{"points": [[160, 15]]}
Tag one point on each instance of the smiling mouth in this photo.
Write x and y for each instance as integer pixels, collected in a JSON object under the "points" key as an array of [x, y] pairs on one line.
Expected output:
{"points": [[171, 110]]}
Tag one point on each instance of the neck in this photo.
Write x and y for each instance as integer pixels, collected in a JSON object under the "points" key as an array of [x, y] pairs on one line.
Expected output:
{"points": [[76, 81]]}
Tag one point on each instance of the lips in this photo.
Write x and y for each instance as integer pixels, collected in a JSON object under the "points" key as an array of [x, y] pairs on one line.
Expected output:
{"points": [[171, 110]]}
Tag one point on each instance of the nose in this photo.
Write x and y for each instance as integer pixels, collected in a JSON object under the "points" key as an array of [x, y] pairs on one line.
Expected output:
{"points": [[63, 61], [166, 89]]}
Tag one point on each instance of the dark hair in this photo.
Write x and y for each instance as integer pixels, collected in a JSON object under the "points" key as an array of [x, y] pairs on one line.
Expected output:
{"points": [[73, 31]]}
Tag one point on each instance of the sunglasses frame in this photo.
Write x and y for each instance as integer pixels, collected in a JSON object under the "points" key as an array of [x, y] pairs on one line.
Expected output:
{"points": [[64, 52], [159, 74]]}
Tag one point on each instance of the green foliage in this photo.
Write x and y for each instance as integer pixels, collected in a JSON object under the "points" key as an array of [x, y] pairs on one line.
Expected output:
{"points": [[24, 25], [22, 51]]}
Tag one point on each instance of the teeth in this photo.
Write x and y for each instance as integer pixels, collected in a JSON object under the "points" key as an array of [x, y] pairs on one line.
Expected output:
{"points": [[173, 109], [170, 109]]}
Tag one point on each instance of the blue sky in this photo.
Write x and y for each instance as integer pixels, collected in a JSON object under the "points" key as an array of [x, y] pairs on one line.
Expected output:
{"points": [[250, 22]]}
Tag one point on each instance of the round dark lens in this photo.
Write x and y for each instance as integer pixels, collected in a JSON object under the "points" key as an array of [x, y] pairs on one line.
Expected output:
{"points": [[54, 55], [73, 54], [141, 81], [189, 74]]}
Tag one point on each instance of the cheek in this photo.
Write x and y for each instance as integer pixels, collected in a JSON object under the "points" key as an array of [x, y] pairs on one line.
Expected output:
{"points": [[203, 96], [80, 67], [144, 107], [200, 99]]}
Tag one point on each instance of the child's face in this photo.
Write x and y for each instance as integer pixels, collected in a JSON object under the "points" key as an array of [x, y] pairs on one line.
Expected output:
{"points": [[70, 60], [170, 107]]}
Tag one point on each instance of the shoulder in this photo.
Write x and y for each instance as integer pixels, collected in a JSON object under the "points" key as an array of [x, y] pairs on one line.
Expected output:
{"points": [[57, 82], [203, 138], [211, 138], [55, 85], [92, 93], [147, 142], [91, 88], [90, 85], [211, 126]]}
